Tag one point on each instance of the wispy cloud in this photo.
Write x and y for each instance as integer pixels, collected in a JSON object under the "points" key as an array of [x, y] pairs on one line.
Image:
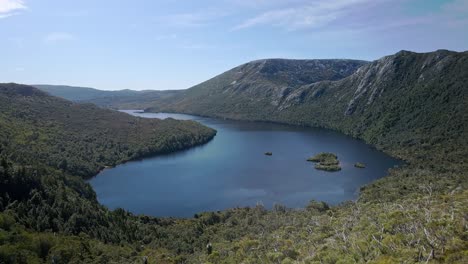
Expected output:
{"points": [[197, 46], [11, 7], [455, 14], [56, 37], [309, 14], [457, 6], [265, 3], [191, 20], [166, 37]]}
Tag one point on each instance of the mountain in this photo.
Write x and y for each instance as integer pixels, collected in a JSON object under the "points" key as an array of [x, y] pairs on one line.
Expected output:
{"points": [[409, 99], [122, 99], [262, 84], [262, 78], [37, 127], [404, 101]]}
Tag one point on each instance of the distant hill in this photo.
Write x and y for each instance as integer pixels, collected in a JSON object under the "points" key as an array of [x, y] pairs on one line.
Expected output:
{"points": [[121, 99], [75, 93]]}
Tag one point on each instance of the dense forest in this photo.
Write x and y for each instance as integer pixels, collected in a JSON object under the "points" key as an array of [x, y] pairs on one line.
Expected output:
{"points": [[82, 139], [412, 106]]}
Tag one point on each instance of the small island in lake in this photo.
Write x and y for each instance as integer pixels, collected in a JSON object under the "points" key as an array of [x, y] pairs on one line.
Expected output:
{"points": [[326, 161], [268, 153], [359, 165]]}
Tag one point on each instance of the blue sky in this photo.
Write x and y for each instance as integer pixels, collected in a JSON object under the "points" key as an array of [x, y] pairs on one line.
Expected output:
{"points": [[174, 44]]}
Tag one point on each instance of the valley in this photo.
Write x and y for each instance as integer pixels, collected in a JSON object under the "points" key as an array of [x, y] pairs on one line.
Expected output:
{"points": [[234, 132], [411, 106]]}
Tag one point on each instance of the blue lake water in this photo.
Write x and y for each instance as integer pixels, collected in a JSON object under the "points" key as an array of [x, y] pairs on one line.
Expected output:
{"points": [[232, 170]]}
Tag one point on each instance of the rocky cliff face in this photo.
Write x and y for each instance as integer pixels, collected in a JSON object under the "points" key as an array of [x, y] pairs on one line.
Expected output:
{"points": [[277, 78], [418, 100], [399, 73], [371, 80]]}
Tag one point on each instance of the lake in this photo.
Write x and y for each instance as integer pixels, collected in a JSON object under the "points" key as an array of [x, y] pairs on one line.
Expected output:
{"points": [[232, 171]]}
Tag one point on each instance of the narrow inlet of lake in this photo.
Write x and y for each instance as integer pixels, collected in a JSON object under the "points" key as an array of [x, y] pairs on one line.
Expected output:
{"points": [[232, 170]]}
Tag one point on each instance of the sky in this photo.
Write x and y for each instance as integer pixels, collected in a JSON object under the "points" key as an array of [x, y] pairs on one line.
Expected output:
{"points": [[175, 44]]}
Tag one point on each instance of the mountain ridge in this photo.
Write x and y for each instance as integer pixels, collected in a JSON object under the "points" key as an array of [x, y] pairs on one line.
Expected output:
{"points": [[272, 71], [310, 83], [372, 103]]}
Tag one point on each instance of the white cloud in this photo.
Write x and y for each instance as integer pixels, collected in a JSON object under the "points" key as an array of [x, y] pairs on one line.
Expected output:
{"points": [[310, 14], [56, 37], [10, 7]]}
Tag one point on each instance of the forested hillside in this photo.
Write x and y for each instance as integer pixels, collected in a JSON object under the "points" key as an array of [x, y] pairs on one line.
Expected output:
{"points": [[82, 139], [47, 146], [256, 88]]}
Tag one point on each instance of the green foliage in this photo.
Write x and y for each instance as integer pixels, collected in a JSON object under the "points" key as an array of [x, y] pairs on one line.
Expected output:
{"points": [[326, 161], [359, 165], [318, 206], [327, 167], [324, 157], [82, 139]]}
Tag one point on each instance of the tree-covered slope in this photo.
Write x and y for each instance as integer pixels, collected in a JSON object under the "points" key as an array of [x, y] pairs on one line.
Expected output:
{"points": [[141, 100], [48, 213], [81, 138], [257, 87]]}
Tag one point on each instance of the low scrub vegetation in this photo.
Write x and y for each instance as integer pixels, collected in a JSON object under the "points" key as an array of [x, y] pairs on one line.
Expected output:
{"points": [[326, 161], [359, 165]]}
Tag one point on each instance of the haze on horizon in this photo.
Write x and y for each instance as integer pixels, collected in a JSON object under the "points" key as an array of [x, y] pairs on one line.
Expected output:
{"points": [[167, 44]]}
